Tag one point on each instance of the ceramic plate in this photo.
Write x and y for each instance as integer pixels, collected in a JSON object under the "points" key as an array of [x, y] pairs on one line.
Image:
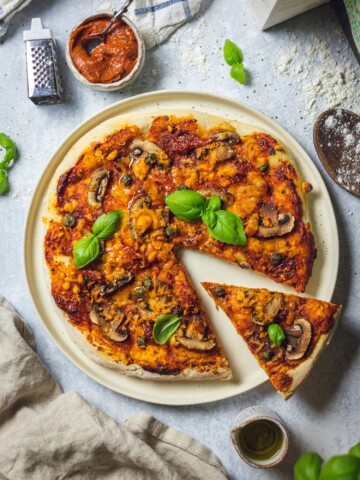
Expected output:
{"points": [[247, 373]]}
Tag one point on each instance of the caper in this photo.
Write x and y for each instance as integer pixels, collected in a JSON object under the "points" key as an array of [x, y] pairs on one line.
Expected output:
{"points": [[266, 355], [177, 311], [126, 179], [219, 292], [170, 231], [276, 259], [69, 221], [161, 166], [141, 341], [140, 292], [148, 283], [151, 159], [264, 168], [182, 187], [137, 151]]}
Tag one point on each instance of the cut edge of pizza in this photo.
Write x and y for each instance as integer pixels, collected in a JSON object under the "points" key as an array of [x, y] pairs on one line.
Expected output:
{"points": [[307, 324]]}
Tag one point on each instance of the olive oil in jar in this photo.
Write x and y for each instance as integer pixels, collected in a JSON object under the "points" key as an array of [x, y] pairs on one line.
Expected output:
{"points": [[260, 440]]}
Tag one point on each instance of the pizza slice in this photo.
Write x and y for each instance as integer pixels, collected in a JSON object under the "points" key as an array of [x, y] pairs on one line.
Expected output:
{"points": [[285, 333]]}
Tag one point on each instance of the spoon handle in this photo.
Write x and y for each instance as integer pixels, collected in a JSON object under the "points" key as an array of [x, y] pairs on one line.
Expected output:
{"points": [[117, 15]]}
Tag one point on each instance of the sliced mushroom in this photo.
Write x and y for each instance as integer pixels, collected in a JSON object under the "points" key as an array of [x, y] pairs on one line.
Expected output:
{"points": [[217, 152], [226, 136], [110, 319], [97, 186], [269, 311], [140, 203], [193, 344], [273, 224], [224, 196], [145, 155], [297, 339], [111, 287]]}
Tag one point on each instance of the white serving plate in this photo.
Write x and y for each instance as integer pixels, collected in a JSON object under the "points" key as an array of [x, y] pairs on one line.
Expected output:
{"points": [[246, 371]]}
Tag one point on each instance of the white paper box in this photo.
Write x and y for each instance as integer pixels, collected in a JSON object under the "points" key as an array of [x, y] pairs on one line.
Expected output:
{"points": [[272, 12]]}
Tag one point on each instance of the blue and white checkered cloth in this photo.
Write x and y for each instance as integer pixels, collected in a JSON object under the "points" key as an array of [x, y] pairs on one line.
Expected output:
{"points": [[156, 19]]}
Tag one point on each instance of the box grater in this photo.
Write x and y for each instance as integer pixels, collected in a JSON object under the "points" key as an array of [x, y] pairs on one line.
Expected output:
{"points": [[43, 79]]}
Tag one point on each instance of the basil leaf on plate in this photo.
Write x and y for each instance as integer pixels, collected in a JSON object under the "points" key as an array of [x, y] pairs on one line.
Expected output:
{"points": [[355, 450], [107, 225], [228, 228], [164, 328], [4, 182], [213, 204], [209, 218], [11, 151], [276, 334], [238, 73], [232, 53], [186, 205], [86, 250], [308, 467]]}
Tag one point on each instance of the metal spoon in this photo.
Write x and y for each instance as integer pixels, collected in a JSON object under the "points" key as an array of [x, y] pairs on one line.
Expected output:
{"points": [[337, 142], [95, 39]]}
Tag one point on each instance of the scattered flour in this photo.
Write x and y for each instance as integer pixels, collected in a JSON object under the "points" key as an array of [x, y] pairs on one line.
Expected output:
{"points": [[324, 79]]}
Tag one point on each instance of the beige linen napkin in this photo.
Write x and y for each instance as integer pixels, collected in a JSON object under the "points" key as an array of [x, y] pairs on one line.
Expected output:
{"points": [[47, 434]]}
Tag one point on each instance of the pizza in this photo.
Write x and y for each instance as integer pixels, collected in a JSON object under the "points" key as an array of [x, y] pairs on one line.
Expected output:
{"points": [[132, 164], [307, 326]]}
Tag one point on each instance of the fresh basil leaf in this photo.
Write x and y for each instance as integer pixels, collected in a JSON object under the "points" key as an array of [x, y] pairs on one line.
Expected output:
{"points": [[341, 467], [232, 53], [209, 218], [106, 225], [11, 151], [213, 204], [308, 467], [86, 250], [164, 328], [228, 228], [355, 450], [238, 73], [276, 334], [186, 205], [4, 182]]}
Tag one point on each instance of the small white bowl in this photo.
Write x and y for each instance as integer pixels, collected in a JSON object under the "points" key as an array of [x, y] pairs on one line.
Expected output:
{"points": [[120, 83], [253, 414]]}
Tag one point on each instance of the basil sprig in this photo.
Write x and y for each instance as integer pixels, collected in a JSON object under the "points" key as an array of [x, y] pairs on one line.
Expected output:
{"points": [[191, 206], [276, 334], [164, 328], [87, 249], [340, 467], [233, 57], [7, 162]]}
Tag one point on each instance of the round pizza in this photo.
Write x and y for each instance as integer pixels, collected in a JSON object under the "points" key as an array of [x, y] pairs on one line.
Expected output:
{"points": [[134, 190]]}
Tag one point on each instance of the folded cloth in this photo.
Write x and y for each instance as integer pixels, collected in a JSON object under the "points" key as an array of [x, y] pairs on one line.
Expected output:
{"points": [[156, 19], [47, 434]]}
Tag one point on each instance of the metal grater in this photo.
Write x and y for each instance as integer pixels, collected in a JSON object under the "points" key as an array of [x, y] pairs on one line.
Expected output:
{"points": [[43, 80]]}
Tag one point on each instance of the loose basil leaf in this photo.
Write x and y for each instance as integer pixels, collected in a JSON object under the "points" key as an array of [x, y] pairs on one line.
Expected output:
{"points": [[209, 218], [11, 151], [186, 205], [238, 73], [213, 204], [355, 450], [4, 182], [164, 328], [228, 228], [106, 225], [86, 250], [308, 467], [341, 467], [232, 53], [276, 334]]}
